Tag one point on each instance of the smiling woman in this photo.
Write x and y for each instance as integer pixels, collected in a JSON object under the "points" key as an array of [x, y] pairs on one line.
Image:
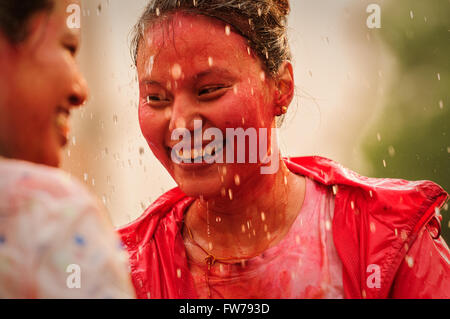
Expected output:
{"points": [[49, 223], [34, 122], [311, 229]]}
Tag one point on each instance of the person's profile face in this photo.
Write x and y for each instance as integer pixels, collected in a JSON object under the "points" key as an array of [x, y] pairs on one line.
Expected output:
{"points": [[195, 68], [44, 84]]}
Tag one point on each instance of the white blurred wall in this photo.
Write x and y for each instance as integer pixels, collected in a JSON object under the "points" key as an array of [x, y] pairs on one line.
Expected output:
{"points": [[340, 71]]}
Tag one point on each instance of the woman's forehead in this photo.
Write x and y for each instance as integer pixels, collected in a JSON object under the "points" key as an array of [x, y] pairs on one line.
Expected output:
{"points": [[186, 38]]}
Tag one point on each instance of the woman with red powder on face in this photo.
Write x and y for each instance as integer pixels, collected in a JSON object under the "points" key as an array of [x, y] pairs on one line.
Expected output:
{"points": [[55, 241], [311, 229]]}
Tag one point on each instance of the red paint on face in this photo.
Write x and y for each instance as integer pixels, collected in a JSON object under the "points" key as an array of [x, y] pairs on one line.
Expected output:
{"points": [[39, 84], [190, 68]]}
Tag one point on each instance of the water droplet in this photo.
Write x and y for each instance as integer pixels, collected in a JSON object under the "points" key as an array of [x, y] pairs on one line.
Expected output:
{"points": [[218, 219], [210, 246], [178, 272], [410, 261], [85, 176], [372, 227], [439, 76], [327, 225], [384, 163], [391, 151], [158, 12], [441, 104], [243, 228], [379, 137], [352, 204], [262, 76], [263, 216], [223, 192], [411, 14], [227, 30], [210, 61], [74, 140], [230, 194], [115, 119], [237, 180], [335, 189], [176, 71]]}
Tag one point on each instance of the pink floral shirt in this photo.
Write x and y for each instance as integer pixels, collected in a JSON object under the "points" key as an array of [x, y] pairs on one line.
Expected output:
{"points": [[55, 241]]}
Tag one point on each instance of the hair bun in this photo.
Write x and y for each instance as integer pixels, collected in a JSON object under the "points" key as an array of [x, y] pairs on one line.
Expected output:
{"points": [[283, 6]]}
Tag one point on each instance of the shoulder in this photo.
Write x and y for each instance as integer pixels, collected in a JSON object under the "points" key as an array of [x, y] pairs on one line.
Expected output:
{"points": [[21, 178], [383, 194], [38, 196], [376, 220], [168, 208]]}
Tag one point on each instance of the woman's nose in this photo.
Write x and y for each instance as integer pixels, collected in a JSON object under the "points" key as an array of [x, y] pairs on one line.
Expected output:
{"points": [[183, 112], [79, 92]]}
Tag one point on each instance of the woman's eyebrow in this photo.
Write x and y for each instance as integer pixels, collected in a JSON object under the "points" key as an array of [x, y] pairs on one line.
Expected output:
{"points": [[214, 70], [147, 81], [211, 71]]}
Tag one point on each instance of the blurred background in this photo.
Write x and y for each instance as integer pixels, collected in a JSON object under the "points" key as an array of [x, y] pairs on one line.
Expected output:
{"points": [[376, 100]]}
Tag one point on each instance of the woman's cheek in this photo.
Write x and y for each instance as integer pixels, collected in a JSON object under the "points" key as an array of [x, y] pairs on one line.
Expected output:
{"points": [[147, 121], [244, 110]]}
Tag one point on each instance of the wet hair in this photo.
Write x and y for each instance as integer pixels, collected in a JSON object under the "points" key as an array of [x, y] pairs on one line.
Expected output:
{"points": [[262, 22], [15, 15]]}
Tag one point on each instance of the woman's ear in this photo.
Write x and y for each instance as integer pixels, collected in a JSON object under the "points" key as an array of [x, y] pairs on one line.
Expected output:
{"points": [[284, 83]]}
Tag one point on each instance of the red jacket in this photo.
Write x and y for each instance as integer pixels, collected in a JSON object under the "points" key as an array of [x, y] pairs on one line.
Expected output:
{"points": [[384, 227]]}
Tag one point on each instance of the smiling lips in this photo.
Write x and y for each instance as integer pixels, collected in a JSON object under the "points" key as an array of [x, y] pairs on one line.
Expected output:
{"points": [[191, 156], [62, 124]]}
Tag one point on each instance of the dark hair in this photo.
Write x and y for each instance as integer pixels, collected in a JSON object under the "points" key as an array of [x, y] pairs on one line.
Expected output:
{"points": [[262, 22], [15, 15]]}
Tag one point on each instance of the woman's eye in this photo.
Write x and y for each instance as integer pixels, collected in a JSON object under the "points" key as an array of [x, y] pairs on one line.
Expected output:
{"points": [[156, 100], [212, 92]]}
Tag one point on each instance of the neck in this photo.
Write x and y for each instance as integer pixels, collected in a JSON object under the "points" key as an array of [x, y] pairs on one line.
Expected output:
{"points": [[249, 223]]}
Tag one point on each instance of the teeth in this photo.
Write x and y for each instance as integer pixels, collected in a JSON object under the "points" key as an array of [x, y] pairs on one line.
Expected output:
{"points": [[62, 121], [194, 154]]}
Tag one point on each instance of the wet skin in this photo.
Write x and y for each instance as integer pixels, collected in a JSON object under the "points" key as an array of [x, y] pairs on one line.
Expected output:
{"points": [[191, 68]]}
